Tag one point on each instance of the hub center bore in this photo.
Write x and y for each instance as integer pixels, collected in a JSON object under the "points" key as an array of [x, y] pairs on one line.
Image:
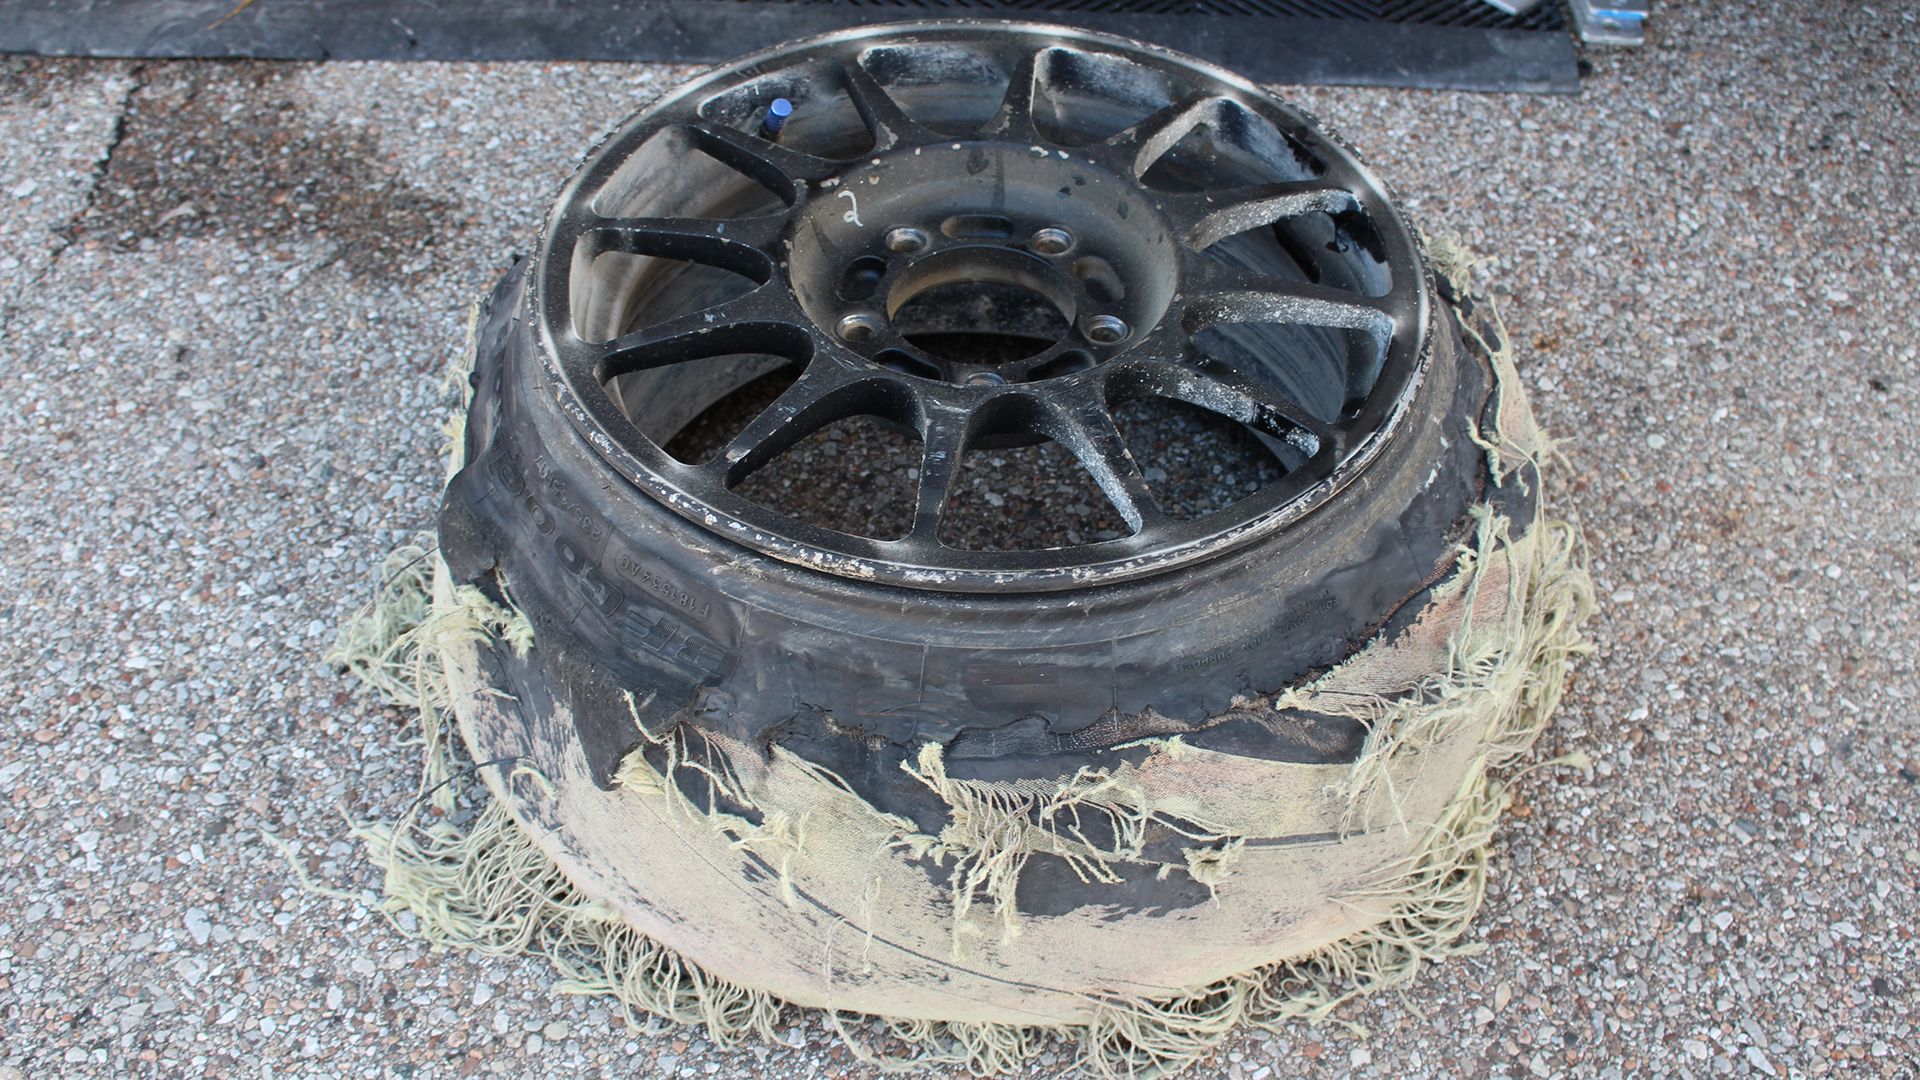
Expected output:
{"points": [[981, 306]]}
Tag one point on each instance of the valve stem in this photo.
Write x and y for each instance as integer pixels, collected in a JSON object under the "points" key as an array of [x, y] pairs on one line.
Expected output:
{"points": [[777, 114]]}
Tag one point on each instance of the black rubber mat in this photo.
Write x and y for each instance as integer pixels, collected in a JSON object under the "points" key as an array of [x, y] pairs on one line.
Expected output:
{"points": [[1442, 44]]}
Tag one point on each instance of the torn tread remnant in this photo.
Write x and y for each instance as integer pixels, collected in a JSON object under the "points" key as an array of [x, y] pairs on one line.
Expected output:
{"points": [[1131, 791]]}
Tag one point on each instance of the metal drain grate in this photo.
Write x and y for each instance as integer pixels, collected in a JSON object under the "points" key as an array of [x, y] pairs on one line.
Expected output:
{"points": [[1439, 44], [1469, 14]]}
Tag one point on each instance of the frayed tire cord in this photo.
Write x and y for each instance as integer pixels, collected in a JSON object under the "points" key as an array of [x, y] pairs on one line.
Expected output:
{"points": [[1135, 1039]]}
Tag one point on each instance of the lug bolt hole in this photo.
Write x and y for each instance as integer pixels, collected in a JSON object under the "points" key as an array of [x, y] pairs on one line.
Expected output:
{"points": [[859, 328], [1051, 241], [906, 241], [1105, 330], [986, 378]]}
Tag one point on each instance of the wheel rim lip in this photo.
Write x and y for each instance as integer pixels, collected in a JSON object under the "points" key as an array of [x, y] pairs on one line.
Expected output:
{"points": [[600, 422]]}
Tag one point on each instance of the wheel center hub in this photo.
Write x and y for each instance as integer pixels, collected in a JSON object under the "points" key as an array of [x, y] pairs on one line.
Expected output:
{"points": [[982, 263]]}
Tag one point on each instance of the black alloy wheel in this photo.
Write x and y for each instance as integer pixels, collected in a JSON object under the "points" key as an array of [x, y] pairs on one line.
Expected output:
{"points": [[976, 238], [1146, 228]]}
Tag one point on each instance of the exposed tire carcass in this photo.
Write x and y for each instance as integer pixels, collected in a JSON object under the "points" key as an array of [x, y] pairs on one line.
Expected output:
{"points": [[1149, 572]]}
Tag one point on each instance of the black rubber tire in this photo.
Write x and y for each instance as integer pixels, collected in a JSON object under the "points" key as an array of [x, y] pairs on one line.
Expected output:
{"points": [[645, 618], [625, 595]]}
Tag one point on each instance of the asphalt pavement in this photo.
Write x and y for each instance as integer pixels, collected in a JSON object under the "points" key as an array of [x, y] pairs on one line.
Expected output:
{"points": [[228, 296]]}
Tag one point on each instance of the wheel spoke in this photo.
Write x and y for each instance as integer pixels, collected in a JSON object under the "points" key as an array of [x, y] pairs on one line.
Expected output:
{"points": [[1152, 137], [776, 168], [1015, 118], [1219, 295], [763, 320], [943, 439], [1220, 388], [824, 392], [885, 119], [741, 245], [1089, 432], [1208, 217]]}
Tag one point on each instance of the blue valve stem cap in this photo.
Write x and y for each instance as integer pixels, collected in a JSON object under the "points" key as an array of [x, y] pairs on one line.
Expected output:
{"points": [[777, 114]]}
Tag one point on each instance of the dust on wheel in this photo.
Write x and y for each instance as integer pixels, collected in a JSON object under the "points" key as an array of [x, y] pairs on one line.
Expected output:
{"points": [[1115, 739]]}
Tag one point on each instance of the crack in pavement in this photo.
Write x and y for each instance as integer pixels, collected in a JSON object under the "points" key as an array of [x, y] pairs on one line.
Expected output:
{"points": [[120, 90]]}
